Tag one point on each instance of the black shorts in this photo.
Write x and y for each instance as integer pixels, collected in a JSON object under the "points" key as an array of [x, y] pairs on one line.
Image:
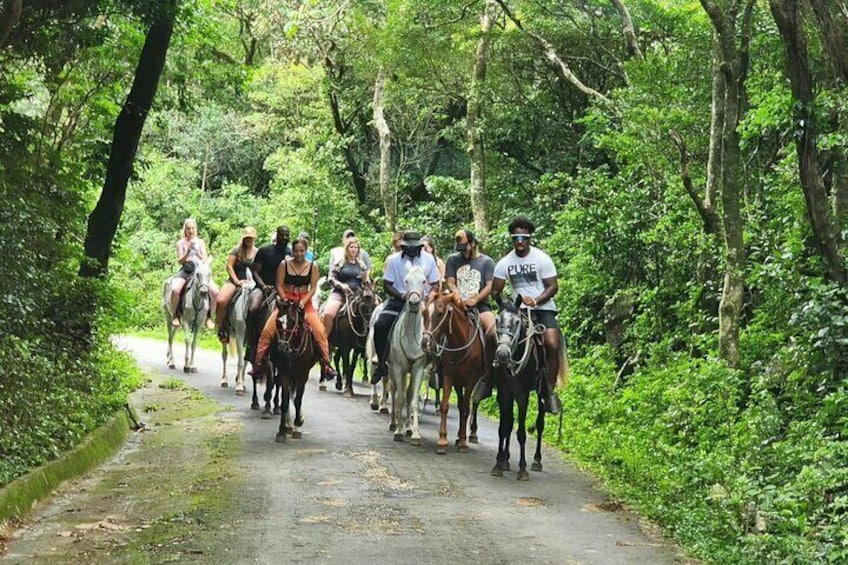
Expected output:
{"points": [[545, 317], [483, 307]]}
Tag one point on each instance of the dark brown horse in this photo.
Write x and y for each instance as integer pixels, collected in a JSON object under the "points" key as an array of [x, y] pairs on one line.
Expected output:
{"points": [[294, 354], [350, 332], [460, 347], [519, 369]]}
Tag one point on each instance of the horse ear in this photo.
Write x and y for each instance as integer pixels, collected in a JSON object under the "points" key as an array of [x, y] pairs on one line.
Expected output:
{"points": [[517, 302]]}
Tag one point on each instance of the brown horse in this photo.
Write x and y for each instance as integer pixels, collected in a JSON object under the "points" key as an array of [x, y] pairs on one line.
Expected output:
{"points": [[461, 348], [350, 333], [293, 354]]}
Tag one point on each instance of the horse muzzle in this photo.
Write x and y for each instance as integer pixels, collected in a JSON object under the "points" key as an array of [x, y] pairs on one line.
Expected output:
{"points": [[502, 355]]}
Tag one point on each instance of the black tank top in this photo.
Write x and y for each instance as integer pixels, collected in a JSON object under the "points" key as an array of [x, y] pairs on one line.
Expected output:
{"points": [[293, 279]]}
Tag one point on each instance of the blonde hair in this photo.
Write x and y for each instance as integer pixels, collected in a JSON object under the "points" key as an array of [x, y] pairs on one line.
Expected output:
{"points": [[188, 223]]}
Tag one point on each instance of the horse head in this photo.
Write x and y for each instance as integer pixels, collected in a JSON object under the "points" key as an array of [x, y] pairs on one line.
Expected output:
{"points": [[508, 327], [414, 283], [365, 302], [202, 276]]}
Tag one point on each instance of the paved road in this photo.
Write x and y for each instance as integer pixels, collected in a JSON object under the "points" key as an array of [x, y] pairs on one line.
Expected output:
{"points": [[346, 492]]}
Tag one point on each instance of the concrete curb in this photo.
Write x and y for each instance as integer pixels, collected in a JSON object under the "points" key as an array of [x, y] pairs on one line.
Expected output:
{"points": [[21, 495]]}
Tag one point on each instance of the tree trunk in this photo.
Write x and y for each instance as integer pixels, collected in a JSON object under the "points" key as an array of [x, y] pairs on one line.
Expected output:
{"points": [[786, 15], [357, 175], [476, 149], [103, 220], [389, 201], [832, 19], [10, 13], [628, 29], [728, 93]]}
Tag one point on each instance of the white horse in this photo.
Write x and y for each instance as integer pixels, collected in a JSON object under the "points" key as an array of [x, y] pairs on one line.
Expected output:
{"points": [[195, 307], [406, 356], [379, 401], [236, 325]]}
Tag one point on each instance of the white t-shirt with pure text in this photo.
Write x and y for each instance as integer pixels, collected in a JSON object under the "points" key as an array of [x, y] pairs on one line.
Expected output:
{"points": [[525, 274]]}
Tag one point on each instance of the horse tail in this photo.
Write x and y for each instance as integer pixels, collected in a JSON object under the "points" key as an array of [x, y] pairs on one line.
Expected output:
{"points": [[564, 368]]}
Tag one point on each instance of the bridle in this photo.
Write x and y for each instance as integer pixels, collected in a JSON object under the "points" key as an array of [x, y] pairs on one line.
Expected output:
{"points": [[531, 330], [441, 346], [286, 338]]}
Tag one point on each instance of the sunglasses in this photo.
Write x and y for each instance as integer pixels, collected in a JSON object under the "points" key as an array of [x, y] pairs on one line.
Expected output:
{"points": [[519, 237]]}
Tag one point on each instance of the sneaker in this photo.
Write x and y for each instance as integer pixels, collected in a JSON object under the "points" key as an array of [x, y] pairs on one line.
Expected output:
{"points": [[176, 322], [554, 405], [482, 390]]}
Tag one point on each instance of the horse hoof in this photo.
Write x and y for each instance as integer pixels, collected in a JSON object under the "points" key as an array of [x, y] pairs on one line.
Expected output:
{"points": [[277, 411], [441, 450], [536, 466], [266, 414], [193, 370], [339, 384], [172, 366], [456, 442], [473, 438], [523, 475], [281, 438], [297, 434], [322, 386], [415, 442], [408, 433], [505, 466], [239, 392], [399, 437], [254, 406], [384, 410], [348, 393], [463, 448], [224, 384], [186, 370], [375, 407], [392, 427], [497, 471]]}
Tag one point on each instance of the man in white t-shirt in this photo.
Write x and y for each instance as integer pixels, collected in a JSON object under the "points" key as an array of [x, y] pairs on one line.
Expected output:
{"points": [[532, 275]]}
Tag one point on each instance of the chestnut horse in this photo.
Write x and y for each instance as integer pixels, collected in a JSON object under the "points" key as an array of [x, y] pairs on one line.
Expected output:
{"points": [[457, 341], [519, 368], [294, 353], [349, 334]]}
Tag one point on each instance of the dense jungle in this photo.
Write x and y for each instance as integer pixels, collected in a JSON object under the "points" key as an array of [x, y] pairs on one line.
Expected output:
{"points": [[685, 163]]}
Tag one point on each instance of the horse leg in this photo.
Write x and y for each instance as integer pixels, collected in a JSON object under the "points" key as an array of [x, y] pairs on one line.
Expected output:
{"points": [[523, 398], [416, 375], [270, 385], [281, 433], [240, 364], [505, 424], [472, 437], [224, 382], [463, 401], [169, 355], [342, 377], [398, 395], [444, 407], [300, 387], [540, 432], [278, 393]]}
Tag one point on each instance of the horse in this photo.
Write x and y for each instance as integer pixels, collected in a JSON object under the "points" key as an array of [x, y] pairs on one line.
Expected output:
{"points": [[236, 326], [349, 334], [518, 368], [457, 341], [195, 303], [294, 352], [406, 356]]}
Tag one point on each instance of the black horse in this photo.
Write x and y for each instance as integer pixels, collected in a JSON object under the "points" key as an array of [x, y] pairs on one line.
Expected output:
{"points": [[519, 369], [350, 332]]}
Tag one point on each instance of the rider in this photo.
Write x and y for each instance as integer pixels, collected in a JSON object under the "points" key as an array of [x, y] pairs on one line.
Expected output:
{"points": [[430, 248], [395, 270], [297, 279], [191, 250], [469, 276], [347, 274], [265, 265], [533, 276], [337, 253], [239, 261]]}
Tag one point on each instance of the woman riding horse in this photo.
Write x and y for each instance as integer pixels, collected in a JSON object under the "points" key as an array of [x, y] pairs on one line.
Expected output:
{"points": [[297, 280], [346, 275], [191, 251], [239, 261]]}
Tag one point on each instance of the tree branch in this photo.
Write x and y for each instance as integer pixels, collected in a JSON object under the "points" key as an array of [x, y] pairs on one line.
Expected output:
{"points": [[628, 30]]}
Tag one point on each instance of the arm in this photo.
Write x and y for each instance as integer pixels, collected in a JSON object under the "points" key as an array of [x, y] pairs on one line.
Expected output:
{"points": [[313, 285], [201, 250], [551, 288], [231, 270], [182, 251], [281, 277], [497, 289], [391, 290]]}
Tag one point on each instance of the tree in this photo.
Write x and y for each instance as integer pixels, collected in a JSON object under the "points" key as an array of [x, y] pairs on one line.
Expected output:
{"points": [[104, 219]]}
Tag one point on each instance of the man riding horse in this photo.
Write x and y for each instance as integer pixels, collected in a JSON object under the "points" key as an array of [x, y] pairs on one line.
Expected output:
{"points": [[533, 276], [264, 269], [395, 270]]}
